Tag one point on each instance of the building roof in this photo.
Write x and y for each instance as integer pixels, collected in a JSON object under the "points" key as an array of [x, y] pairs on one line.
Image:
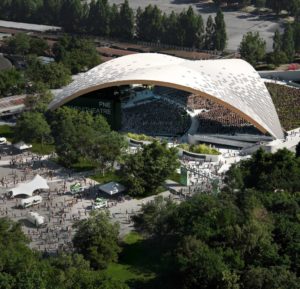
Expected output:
{"points": [[233, 83], [28, 26]]}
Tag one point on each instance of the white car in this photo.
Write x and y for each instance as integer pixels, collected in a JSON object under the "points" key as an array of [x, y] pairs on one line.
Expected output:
{"points": [[99, 204], [36, 219]]}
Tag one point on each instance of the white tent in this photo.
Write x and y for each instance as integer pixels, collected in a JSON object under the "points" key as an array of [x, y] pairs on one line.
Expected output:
{"points": [[37, 183], [112, 188], [22, 146]]}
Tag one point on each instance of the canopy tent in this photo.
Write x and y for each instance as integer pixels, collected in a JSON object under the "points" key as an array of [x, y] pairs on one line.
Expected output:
{"points": [[22, 146], [37, 183], [112, 188]]}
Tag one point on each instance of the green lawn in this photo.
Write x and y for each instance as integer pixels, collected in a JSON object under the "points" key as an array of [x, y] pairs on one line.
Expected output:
{"points": [[175, 177], [44, 149], [83, 165], [7, 132], [138, 263], [111, 176]]}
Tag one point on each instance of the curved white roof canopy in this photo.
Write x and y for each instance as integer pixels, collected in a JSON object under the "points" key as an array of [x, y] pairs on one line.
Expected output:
{"points": [[232, 83]]}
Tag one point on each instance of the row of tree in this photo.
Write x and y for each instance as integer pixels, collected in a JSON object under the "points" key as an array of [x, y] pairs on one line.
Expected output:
{"points": [[253, 47], [100, 18]]}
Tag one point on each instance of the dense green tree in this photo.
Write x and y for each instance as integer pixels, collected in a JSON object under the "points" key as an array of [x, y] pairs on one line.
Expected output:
{"points": [[80, 134], [126, 21], [97, 239], [288, 45], [269, 172], [71, 14], [114, 21], [11, 82], [98, 19], [209, 33], [190, 28], [170, 24], [278, 56], [76, 53], [220, 39], [146, 170], [253, 48], [32, 127], [53, 75], [38, 46], [49, 12], [39, 98], [149, 24], [19, 44]]}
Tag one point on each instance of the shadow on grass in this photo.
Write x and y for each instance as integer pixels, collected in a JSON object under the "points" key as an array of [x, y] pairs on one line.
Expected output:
{"points": [[144, 260]]}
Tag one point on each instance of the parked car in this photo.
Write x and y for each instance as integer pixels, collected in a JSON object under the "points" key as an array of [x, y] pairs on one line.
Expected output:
{"points": [[36, 219], [77, 188], [99, 204], [28, 202]]}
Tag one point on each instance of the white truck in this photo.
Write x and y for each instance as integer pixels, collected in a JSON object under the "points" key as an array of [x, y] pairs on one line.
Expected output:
{"points": [[28, 202], [36, 219]]}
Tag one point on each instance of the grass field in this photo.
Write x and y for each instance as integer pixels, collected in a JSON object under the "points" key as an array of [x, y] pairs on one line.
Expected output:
{"points": [[111, 176], [7, 132], [44, 149], [138, 263]]}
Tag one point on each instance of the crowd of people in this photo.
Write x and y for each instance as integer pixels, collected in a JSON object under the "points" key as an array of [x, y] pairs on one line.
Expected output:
{"points": [[157, 117], [287, 102]]}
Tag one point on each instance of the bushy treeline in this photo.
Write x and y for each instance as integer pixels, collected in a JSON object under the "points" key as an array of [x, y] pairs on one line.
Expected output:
{"points": [[102, 19], [72, 55], [285, 46], [246, 237]]}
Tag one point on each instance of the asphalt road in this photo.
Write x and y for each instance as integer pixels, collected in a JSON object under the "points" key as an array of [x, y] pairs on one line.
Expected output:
{"points": [[237, 23]]}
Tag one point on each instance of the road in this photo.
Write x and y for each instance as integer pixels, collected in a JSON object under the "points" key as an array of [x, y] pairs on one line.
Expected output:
{"points": [[237, 23]]}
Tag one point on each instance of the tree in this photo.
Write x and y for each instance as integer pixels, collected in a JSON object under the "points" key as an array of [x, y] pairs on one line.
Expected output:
{"points": [[32, 127], [268, 172], [77, 54], [253, 48], [209, 33], [149, 24], [71, 13], [39, 98], [288, 45], [190, 28], [53, 75], [97, 239], [19, 44], [146, 170], [220, 38], [126, 21], [278, 56], [98, 19], [298, 150], [38, 46], [11, 82], [80, 134]]}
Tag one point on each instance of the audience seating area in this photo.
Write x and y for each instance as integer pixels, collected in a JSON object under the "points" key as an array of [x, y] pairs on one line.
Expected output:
{"points": [[287, 103], [167, 115], [158, 117]]}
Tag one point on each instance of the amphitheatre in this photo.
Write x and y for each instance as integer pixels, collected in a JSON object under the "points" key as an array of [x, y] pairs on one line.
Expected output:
{"points": [[229, 89]]}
